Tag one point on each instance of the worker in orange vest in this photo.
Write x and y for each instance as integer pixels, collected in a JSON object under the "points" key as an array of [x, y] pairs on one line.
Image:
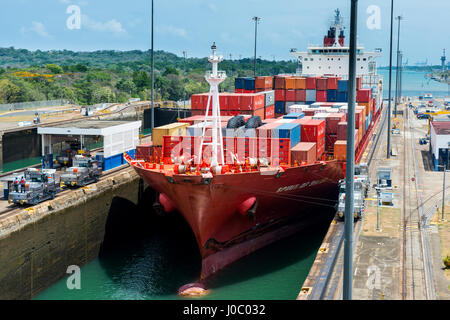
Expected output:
{"points": [[22, 184], [16, 184]]}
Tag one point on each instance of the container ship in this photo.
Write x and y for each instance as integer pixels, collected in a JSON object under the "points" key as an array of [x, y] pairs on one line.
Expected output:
{"points": [[253, 166]]}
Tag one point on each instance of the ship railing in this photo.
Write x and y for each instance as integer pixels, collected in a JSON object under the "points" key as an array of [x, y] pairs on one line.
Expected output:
{"points": [[220, 75]]}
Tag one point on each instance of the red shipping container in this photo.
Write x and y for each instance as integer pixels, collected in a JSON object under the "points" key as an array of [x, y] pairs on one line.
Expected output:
{"points": [[321, 96], [234, 101], [304, 152], [238, 90], [330, 139], [320, 147], [290, 95], [332, 83], [313, 131], [280, 82], [249, 91], [223, 101], [260, 112], [300, 95], [263, 82], [342, 131], [269, 112], [358, 83], [332, 122], [280, 95], [321, 84], [197, 101], [251, 102], [311, 83], [309, 112], [363, 95], [358, 118]]}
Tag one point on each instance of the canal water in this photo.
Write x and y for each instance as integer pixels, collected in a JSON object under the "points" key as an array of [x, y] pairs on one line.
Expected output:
{"points": [[414, 83], [166, 257]]}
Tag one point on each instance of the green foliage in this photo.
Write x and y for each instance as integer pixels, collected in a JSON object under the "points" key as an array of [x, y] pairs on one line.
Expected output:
{"points": [[9, 92], [113, 76], [54, 68], [446, 261]]}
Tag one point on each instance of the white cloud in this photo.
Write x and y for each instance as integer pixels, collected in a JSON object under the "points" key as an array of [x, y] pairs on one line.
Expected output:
{"points": [[174, 31], [113, 26], [37, 28]]}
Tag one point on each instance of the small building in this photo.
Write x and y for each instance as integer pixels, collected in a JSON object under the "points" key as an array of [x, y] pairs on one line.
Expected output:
{"points": [[439, 143], [116, 138]]}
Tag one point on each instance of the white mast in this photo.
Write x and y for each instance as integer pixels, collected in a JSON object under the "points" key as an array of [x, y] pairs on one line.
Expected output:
{"points": [[214, 78], [337, 28]]}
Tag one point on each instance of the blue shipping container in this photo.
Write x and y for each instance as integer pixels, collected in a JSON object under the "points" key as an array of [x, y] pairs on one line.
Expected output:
{"points": [[279, 107], [331, 95], [294, 115], [342, 97], [288, 131], [239, 83], [249, 84], [311, 95], [309, 103], [342, 85]]}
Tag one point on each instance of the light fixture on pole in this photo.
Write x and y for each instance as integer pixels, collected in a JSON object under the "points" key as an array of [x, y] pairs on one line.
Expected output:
{"points": [[397, 75], [350, 156], [184, 83], [153, 78], [256, 19], [390, 86]]}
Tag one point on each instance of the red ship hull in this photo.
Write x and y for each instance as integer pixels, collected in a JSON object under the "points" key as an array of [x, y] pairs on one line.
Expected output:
{"points": [[213, 207]]}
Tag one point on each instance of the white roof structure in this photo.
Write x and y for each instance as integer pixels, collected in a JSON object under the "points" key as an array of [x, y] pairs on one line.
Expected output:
{"points": [[118, 136]]}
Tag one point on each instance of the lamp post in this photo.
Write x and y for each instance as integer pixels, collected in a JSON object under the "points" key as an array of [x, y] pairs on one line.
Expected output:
{"points": [[397, 75], [153, 78], [443, 184], [390, 81], [350, 163], [184, 83], [256, 19]]}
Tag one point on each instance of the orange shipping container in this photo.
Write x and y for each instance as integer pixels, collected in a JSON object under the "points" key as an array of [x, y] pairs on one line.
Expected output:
{"points": [[304, 152], [280, 82], [290, 83], [300, 83], [263, 82], [340, 150]]}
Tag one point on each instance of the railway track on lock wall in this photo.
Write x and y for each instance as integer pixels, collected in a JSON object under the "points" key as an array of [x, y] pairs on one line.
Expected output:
{"points": [[14, 209], [417, 277]]}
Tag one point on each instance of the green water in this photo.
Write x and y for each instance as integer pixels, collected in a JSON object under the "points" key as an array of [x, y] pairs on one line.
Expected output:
{"points": [[19, 164], [167, 258]]}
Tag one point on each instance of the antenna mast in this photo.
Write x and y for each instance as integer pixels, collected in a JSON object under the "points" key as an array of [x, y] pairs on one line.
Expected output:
{"points": [[214, 78]]}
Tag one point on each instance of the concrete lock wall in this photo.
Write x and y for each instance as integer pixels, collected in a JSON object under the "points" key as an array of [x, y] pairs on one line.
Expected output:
{"points": [[38, 244]]}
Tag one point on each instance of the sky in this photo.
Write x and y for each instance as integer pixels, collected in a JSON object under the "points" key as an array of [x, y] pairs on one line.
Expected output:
{"points": [[192, 26]]}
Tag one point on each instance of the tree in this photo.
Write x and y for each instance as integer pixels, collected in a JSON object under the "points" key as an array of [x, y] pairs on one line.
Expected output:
{"points": [[170, 70], [54, 68], [102, 95], [9, 92], [127, 86], [141, 80]]}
